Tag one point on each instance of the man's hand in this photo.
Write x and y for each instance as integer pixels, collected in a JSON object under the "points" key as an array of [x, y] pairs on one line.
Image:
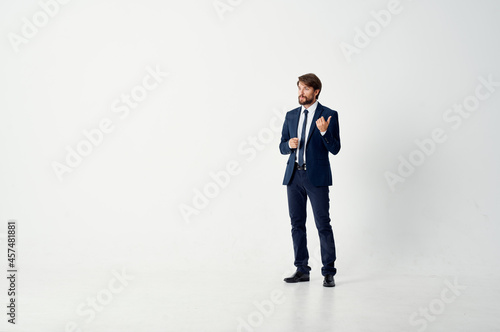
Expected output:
{"points": [[322, 124], [294, 142]]}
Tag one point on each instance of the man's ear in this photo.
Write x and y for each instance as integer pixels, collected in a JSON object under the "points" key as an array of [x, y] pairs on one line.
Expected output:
{"points": [[316, 93]]}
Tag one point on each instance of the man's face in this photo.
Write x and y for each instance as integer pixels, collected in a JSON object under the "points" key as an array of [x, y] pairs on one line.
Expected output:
{"points": [[307, 95]]}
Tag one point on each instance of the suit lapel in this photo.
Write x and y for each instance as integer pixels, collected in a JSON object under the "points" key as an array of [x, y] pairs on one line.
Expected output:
{"points": [[317, 114]]}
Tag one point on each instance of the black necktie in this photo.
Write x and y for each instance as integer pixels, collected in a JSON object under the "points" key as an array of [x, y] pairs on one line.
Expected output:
{"points": [[302, 142]]}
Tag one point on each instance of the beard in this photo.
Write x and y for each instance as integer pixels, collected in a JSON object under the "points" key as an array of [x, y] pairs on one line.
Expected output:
{"points": [[306, 101]]}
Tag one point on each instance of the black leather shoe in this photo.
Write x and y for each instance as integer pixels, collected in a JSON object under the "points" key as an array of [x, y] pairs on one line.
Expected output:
{"points": [[297, 277], [329, 281]]}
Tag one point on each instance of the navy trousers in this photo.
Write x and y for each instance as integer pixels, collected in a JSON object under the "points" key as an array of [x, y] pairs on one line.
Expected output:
{"points": [[298, 190]]}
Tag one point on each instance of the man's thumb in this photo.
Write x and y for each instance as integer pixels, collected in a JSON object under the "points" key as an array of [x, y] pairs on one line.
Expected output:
{"points": [[329, 119]]}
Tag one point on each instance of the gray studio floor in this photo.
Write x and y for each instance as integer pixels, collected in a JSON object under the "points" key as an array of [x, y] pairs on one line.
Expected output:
{"points": [[249, 300]]}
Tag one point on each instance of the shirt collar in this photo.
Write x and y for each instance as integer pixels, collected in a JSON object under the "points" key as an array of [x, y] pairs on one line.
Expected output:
{"points": [[311, 109]]}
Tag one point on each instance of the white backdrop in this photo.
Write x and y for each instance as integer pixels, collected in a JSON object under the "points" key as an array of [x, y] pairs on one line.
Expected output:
{"points": [[182, 180]]}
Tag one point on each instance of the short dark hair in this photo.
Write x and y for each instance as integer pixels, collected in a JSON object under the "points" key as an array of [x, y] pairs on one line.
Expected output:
{"points": [[311, 81]]}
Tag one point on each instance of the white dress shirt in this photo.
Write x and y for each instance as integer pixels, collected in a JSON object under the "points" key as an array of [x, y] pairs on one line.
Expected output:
{"points": [[310, 116]]}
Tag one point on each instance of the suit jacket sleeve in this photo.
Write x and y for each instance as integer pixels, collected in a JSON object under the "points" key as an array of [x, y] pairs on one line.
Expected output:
{"points": [[331, 138], [285, 137]]}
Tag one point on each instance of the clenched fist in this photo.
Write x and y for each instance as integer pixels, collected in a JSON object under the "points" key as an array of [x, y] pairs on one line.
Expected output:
{"points": [[294, 142]]}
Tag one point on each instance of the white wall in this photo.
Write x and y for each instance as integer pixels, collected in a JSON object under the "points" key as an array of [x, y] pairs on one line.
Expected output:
{"points": [[231, 77]]}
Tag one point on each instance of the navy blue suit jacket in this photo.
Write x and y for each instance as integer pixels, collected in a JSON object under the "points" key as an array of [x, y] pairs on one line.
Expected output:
{"points": [[317, 145]]}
